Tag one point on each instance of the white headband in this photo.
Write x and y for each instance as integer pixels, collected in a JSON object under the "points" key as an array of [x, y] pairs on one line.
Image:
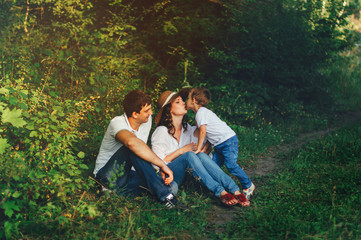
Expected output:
{"points": [[168, 98]]}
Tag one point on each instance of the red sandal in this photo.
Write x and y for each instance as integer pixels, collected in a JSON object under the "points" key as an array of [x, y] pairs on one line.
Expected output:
{"points": [[227, 199], [242, 200]]}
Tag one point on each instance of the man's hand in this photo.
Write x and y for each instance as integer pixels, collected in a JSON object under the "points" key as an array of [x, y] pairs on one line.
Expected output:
{"points": [[165, 170]]}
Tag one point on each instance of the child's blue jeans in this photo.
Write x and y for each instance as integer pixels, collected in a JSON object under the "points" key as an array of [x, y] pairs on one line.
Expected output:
{"points": [[227, 153]]}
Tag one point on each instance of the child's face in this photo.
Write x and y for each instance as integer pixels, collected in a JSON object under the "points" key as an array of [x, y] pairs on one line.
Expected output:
{"points": [[190, 102]]}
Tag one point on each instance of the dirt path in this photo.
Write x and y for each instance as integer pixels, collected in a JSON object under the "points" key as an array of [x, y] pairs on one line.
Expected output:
{"points": [[268, 163]]}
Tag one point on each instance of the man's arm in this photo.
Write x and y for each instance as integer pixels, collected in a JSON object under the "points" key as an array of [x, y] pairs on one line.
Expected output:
{"points": [[144, 152]]}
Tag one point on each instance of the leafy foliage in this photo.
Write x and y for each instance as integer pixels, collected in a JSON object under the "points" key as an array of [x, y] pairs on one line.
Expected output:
{"points": [[41, 166], [65, 67]]}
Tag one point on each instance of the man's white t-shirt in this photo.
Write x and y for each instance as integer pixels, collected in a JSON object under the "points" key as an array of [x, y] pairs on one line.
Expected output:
{"points": [[217, 130], [110, 144]]}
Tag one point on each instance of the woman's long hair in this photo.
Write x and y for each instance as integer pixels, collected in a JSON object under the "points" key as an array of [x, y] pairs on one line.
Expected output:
{"points": [[166, 120]]}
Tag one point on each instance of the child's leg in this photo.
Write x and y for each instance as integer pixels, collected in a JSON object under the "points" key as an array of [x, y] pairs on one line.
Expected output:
{"points": [[218, 157], [229, 150]]}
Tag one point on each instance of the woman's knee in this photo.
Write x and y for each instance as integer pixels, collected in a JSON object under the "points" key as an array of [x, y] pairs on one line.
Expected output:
{"points": [[204, 157], [190, 156], [192, 161]]}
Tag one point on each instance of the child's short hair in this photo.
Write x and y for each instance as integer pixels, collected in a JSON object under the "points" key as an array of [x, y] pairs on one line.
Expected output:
{"points": [[202, 95], [134, 101]]}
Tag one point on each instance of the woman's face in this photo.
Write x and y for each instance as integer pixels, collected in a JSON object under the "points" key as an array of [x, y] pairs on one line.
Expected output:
{"points": [[178, 107]]}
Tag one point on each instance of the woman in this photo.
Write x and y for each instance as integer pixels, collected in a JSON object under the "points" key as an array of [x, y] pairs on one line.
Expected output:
{"points": [[171, 141]]}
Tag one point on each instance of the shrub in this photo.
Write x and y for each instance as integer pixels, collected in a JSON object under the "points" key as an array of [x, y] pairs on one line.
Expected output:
{"points": [[41, 170]]}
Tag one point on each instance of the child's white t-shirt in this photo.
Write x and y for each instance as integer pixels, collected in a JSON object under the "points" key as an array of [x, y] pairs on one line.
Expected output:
{"points": [[217, 130]]}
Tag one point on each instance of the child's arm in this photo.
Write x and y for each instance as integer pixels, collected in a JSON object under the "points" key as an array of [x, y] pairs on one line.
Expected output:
{"points": [[207, 148], [201, 137]]}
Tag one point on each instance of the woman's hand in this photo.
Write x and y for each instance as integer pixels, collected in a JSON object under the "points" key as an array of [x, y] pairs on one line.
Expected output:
{"points": [[191, 147]]}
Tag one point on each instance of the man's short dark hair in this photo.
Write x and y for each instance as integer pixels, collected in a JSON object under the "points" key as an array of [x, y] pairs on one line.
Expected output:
{"points": [[134, 101], [202, 95]]}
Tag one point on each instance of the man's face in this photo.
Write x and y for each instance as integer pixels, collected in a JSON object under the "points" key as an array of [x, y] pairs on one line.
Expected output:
{"points": [[144, 113]]}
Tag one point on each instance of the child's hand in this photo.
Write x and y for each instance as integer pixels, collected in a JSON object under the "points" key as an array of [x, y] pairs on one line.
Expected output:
{"points": [[207, 148], [198, 150]]}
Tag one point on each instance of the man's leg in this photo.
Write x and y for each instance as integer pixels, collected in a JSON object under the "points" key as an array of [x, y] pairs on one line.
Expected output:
{"points": [[116, 175], [148, 176], [135, 186]]}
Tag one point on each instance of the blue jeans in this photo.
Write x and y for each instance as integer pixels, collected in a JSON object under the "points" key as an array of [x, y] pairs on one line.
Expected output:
{"points": [[116, 175], [204, 170], [227, 153], [217, 173]]}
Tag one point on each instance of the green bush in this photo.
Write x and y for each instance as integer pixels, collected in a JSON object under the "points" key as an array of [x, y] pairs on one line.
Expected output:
{"points": [[42, 172], [344, 74]]}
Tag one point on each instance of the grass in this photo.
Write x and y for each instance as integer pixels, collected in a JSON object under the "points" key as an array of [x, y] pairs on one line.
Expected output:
{"points": [[315, 195]]}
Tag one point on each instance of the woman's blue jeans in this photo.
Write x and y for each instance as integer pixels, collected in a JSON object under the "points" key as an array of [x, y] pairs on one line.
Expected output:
{"points": [[227, 153], [204, 170]]}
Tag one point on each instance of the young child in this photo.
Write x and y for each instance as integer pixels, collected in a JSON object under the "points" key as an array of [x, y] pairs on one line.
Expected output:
{"points": [[219, 134]]}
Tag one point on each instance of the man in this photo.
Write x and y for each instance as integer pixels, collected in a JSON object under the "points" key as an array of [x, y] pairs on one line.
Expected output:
{"points": [[124, 150]]}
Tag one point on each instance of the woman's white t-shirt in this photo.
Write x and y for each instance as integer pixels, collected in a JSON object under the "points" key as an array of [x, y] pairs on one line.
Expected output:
{"points": [[164, 144]]}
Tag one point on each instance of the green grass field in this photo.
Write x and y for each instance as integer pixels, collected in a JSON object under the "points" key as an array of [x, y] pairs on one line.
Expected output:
{"points": [[315, 194]]}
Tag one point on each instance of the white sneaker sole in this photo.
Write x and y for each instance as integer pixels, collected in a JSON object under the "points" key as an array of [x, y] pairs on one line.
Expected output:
{"points": [[249, 192]]}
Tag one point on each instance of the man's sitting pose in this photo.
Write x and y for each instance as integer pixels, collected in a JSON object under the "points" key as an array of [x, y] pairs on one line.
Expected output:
{"points": [[124, 162]]}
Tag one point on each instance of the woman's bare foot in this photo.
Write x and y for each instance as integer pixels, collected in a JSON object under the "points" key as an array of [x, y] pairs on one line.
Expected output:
{"points": [[241, 198], [228, 199]]}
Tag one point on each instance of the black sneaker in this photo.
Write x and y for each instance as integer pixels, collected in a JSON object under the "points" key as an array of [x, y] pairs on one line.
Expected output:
{"points": [[170, 201]]}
